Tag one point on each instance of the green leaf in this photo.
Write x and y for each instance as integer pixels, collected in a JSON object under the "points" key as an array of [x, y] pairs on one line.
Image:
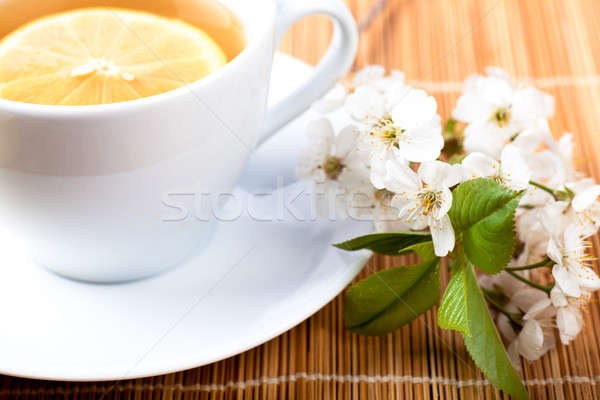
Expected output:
{"points": [[477, 199], [390, 243], [484, 211], [391, 298], [484, 343], [452, 313], [424, 250]]}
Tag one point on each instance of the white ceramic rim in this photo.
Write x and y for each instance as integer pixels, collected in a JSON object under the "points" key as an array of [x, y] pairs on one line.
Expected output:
{"points": [[297, 313], [254, 41]]}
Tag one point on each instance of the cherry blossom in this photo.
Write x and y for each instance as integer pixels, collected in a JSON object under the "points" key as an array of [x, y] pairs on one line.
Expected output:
{"points": [[402, 120], [424, 198], [496, 110]]}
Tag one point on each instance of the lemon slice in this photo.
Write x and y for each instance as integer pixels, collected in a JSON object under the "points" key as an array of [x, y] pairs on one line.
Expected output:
{"points": [[101, 55]]}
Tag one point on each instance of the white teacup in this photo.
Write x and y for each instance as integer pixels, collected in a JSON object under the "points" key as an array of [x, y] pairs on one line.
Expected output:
{"points": [[84, 187]]}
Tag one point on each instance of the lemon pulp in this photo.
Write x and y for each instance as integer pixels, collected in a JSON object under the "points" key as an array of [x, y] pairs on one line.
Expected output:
{"points": [[102, 55]]}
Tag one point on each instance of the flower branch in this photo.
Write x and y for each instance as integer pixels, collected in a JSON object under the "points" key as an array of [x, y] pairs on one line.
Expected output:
{"points": [[546, 189], [544, 263], [546, 289], [473, 209]]}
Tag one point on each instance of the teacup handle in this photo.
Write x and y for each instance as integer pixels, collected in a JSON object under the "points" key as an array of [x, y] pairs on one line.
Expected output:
{"points": [[334, 65]]}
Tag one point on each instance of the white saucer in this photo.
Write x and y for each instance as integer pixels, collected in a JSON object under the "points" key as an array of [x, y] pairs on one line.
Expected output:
{"points": [[254, 281]]}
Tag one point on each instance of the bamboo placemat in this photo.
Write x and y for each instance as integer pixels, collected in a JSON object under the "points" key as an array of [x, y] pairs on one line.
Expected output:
{"points": [[437, 43]]}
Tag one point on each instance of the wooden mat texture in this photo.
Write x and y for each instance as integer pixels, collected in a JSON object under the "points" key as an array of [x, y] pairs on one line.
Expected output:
{"points": [[437, 43]]}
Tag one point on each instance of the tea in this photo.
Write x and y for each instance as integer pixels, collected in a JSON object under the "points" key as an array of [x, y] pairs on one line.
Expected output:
{"points": [[87, 56]]}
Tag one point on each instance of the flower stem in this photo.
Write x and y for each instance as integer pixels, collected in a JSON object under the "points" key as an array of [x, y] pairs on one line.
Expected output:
{"points": [[546, 289], [545, 262], [545, 188], [516, 318]]}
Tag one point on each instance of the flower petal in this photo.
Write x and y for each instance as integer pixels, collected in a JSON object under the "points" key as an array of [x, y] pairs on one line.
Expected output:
{"points": [[424, 143], [470, 108], [505, 327], [531, 340], [581, 185], [513, 354], [537, 308], [566, 281], [496, 91], [413, 108], [531, 104], [321, 131], [565, 147], [368, 75], [498, 73], [483, 137], [396, 92], [409, 211], [508, 284], [345, 141], [526, 299], [442, 234], [385, 83], [438, 174], [553, 251], [365, 104], [320, 135], [385, 218], [573, 242], [514, 168], [400, 178], [553, 217], [558, 297], [546, 166], [446, 203], [479, 165], [587, 278], [586, 198], [378, 174], [528, 141], [472, 83], [569, 322]]}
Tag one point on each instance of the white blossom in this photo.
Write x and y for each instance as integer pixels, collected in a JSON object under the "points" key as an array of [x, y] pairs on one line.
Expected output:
{"points": [[586, 205], [530, 139], [378, 167], [554, 166], [372, 75], [402, 120], [367, 202], [331, 163], [329, 157], [383, 84], [511, 171], [495, 110], [566, 310], [550, 162], [506, 138], [532, 233], [569, 319], [535, 226], [535, 336], [572, 271], [532, 342], [423, 199]]}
